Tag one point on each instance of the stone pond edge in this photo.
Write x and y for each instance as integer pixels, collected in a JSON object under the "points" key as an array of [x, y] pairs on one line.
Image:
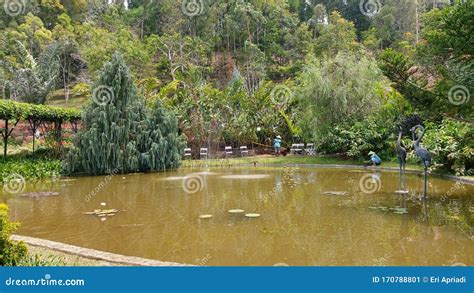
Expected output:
{"points": [[121, 260]]}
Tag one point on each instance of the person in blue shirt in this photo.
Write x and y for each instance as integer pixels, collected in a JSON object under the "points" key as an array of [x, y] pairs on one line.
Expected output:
{"points": [[374, 159], [277, 145]]}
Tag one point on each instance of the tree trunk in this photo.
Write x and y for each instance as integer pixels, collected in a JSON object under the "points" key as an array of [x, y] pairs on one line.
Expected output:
{"points": [[5, 140], [417, 22]]}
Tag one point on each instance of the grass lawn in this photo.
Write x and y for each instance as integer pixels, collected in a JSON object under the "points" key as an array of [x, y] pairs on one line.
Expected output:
{"points": [[74, 102], [319, 160]]}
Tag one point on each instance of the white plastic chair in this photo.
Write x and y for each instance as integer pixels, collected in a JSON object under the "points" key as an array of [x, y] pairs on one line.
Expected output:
{"points": [[228, 151], [297, 148], [310, 150], [244, 151], [204, 153], [188, 153]]}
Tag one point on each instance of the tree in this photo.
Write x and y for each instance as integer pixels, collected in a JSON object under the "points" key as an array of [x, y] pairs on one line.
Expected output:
{"points": [[120, 134], [252, 63], [338, 36], [34, 80], [338, 91]]}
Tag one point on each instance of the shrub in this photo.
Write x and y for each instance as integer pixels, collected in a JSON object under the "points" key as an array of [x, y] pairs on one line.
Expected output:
{"points": [[38, 260], [30, 167], [11, 110], [120, 133], [451, 144], [11, 253]]}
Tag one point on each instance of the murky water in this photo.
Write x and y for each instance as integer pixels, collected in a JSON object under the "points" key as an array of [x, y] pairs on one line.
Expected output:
{"points": [[308, 217]]}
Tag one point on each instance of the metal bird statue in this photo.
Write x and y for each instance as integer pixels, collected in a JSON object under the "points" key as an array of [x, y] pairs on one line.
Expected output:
{"points": [[422, 153], [402, 159], [401, 152]]}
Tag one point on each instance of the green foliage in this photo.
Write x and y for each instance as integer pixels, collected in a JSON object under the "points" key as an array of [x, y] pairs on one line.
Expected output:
{"points": [[358, 140], [38, 260], [452, 145], [121, 135], [400, 69], [338, 91], [36, 166], [448, 52], [338, 36], [376, 132], [11, 110], [11, 252], [216, 70], [448, 31]]}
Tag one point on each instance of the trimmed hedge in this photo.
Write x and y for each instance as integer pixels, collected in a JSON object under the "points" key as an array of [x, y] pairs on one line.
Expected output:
{"points": [[22, 111], [35, 115]]}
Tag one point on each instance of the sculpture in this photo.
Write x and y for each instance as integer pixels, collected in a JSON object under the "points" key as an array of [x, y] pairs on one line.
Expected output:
{"points": [[402, 159], [422, 153]]}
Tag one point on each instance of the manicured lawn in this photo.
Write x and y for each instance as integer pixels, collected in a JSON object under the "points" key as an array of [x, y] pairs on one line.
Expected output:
{"points": [[320, 160]]}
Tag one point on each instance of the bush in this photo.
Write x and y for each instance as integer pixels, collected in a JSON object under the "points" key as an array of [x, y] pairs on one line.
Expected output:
{"points": [[11, 253], [451, 144], [30, 167], [120, 133], [358, 140], [38, 260], [22, 111]]}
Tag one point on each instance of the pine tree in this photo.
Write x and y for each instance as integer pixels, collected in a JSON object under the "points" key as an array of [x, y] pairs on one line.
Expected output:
{"points": [[119, 133], [161, 146]]}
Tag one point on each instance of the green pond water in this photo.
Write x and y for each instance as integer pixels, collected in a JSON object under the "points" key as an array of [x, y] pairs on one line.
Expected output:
{"points": [[308, 217]]}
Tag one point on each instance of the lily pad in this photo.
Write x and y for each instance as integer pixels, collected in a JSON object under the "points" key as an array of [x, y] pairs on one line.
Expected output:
{"points": [[402, 192], [381, 208], [103, 213], [398, 209], [205, 217], [336, 193], [236, 211], [131, 226], [252, 215], [40, 194]]}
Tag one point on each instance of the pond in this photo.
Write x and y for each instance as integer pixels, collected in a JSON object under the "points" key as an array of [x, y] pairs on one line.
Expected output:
{"points": [[302, 217]]}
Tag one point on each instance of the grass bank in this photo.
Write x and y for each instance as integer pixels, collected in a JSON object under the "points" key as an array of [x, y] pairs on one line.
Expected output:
{"points": [[266, 160], [31, 166], [40, 256]]}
